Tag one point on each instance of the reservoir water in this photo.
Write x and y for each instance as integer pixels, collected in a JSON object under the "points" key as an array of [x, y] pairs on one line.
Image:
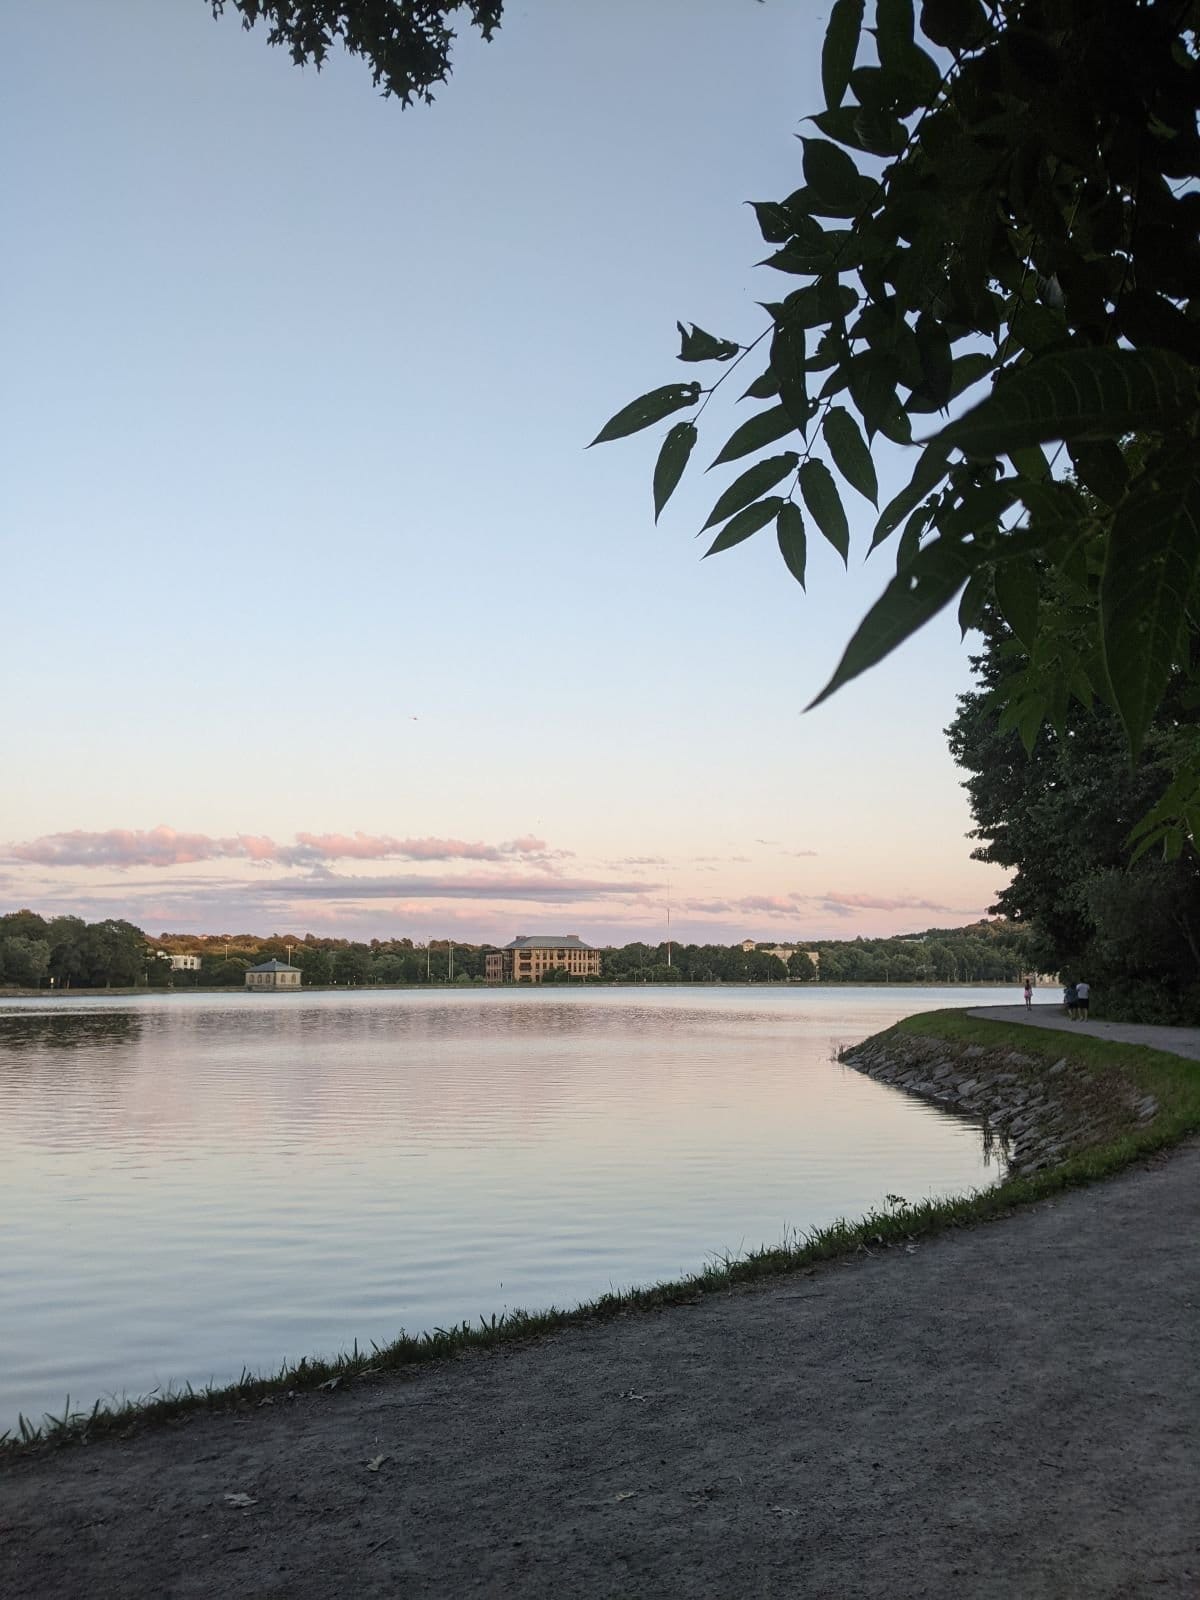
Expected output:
{"points": [[194, 1184]]}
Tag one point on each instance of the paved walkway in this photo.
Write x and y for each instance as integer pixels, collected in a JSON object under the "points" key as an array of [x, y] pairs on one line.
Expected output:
{"points": [[1007, 1412], [1177, 1041]]}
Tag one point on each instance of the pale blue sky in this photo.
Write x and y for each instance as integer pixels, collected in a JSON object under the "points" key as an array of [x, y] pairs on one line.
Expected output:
{"points": [[296, 391]]}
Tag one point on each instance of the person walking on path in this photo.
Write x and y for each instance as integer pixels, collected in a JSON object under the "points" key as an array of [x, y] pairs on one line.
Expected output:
{"points": [[1083, 993], [1069, 1001], [1028, 994]]}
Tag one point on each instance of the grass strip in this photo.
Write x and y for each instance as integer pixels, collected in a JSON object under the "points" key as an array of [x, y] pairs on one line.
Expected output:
{"points": [[1174, 1082]]}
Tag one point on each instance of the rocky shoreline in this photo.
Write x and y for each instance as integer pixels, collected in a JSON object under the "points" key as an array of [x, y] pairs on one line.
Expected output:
{"points": [[1039, 1112]]}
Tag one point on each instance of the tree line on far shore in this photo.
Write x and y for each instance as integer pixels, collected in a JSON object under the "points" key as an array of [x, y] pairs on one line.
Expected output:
{"points": [[69, 953]]}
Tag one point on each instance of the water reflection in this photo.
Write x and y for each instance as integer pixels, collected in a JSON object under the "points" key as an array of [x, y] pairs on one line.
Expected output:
{"points": [[67, 1029], [189, 1183]]}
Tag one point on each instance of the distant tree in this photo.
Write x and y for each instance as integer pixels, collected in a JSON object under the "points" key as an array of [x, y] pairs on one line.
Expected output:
{"points": [[316, 966], [225, 971], [352, 965], [24, 962], [1059, 817], [800, 967]]}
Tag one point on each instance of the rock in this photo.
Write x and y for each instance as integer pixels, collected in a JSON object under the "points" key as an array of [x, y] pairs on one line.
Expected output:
{"points": [[1059, 1066]]}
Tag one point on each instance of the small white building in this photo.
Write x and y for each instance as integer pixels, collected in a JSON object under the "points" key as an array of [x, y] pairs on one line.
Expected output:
{"points": [[273, 975], [185, 963]]}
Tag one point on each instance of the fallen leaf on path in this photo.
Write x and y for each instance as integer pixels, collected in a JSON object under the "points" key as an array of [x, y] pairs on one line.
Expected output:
{"points": [[331, 1384], [376, 1462], [241, 1501], [624, 1494]]}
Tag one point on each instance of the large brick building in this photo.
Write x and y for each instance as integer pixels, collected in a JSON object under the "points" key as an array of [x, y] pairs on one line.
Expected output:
{"points": [[531, 955]]}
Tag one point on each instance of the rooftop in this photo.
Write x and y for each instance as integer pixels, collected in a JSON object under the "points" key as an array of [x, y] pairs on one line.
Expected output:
{"points": [[274, 966], [547, 941]]}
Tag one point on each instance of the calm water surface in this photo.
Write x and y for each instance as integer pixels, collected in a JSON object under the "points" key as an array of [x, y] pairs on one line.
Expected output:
{"points": [[193, 1184]]}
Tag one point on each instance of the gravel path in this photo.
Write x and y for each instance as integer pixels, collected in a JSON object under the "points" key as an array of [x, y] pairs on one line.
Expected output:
{"points": [[1178, 1041], [1007, 1411]]}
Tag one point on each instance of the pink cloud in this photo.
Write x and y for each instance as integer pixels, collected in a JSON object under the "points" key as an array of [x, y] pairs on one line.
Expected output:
{"points": [[137, 847], [167, 847], [832, 901]]}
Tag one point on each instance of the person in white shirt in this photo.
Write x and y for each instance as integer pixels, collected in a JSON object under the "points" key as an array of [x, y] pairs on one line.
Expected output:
{"points": [[1083, 994]]}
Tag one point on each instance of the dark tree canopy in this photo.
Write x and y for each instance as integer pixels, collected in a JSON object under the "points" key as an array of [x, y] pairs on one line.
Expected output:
{"points": [[406, 43], [1059, 816]]}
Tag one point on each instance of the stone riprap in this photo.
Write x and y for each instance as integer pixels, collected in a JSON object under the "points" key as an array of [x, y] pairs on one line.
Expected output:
{"points": [[1039, 1111]]}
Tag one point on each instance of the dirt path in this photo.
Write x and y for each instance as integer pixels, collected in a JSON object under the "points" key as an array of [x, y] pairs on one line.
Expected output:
{"points": [[1009, 1411], [1178, 1041]]}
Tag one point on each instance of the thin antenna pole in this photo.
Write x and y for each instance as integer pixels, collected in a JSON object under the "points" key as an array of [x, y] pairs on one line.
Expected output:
{"points": [[668, 922]]}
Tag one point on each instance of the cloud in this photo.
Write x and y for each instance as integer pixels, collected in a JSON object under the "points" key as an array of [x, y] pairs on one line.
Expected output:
{"points": [[639, 861], [799, 852], [847, 903], [136, 847], [492, 886], [167, 847]]}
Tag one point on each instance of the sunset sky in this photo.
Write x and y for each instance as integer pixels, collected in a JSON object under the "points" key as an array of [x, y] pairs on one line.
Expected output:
{"points": [[319, 616]]}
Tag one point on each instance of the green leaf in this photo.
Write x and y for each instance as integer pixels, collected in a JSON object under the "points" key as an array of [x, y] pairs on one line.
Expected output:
{"points": [[672, 458], [1016, 589], [763, 387], [873, 389], [822, 499], [934, 577], [974, 598], [837, 186], [1152, 561], [774, 220], [793, 546], [696, 345], [838, 52], [937, 362], [893, 31], [968, 370], [647, 409], [762, 429], [914, 531], [928, 472], [1101, 468], [850, 454], [787, 364], [864, 128], [955, 24], [1079, 394], [754, 481], [745, 523]]}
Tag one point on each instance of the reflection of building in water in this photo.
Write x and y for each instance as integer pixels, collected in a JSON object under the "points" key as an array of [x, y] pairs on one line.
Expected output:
{"points": [[273, 975], [531, 955]]}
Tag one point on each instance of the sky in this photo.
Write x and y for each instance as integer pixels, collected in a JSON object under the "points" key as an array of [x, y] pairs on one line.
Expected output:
{"points": [[319, 615]]}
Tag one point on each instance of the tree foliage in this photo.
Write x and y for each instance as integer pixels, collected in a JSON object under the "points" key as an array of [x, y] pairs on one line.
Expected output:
{"points": [[406, 43], [997, 225], [1059, 815]]}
